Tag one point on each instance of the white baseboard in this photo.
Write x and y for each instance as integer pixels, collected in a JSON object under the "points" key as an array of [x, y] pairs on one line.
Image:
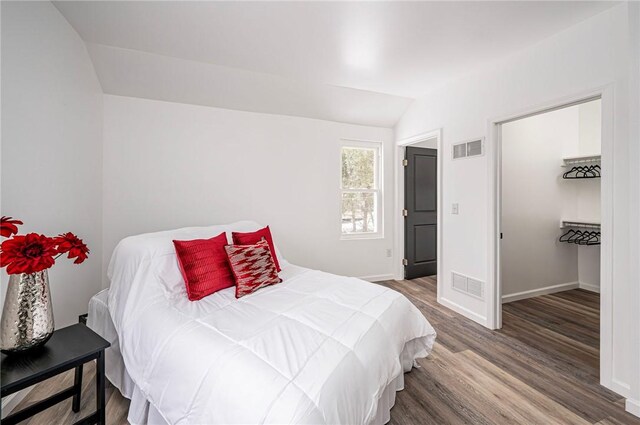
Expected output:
{"points": [[377, 277], [464, 311], [11, 401], [541, 291], [617, 386], [590, 288], [633, 407]]}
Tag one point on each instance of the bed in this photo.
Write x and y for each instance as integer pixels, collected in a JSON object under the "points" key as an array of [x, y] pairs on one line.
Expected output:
{"points": [[315, 349]]}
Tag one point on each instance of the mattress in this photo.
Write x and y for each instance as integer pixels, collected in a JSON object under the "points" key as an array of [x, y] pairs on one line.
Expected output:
{"points": [[142, 412], [99, 320], [317, 348]]}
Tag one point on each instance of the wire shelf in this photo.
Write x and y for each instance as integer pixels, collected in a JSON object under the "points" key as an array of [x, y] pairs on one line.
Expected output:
{"points": [[579, 225], [577, 160]]}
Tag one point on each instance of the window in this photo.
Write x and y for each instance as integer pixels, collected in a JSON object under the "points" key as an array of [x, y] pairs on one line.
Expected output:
{"points": [[361, 196]]}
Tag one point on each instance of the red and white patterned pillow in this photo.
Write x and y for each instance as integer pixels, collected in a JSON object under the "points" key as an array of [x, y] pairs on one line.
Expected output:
{"points": [[249, 238], [252, 267]]}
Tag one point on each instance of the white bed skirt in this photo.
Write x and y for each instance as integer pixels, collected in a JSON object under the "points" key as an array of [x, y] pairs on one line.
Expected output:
{"points": [[142, 412]]}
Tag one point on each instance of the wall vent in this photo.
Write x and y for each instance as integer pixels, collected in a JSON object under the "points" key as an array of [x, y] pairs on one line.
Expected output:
{"points": [[468, 149], [459, 150], [467, 285]]}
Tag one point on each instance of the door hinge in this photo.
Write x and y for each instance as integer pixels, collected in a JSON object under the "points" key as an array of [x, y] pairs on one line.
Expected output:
{"points": [[405, 213], [405, 162], [405, 262]]}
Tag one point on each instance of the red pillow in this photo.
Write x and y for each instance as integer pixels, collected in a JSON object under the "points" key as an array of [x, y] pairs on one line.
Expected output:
{"points": [[204, 265], [251, 238], [252, 266]]}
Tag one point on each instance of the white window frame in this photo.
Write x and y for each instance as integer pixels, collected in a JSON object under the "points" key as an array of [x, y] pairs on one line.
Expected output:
{"points": [[378, 182]]}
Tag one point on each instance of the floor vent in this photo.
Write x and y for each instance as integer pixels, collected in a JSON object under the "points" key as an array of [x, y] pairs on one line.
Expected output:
{"points": [[467, 285], [468, 149], [459, 282]]}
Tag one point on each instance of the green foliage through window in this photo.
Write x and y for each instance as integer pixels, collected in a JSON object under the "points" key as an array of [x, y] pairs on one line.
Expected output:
{"points": [[359, 190], [358, 168]]}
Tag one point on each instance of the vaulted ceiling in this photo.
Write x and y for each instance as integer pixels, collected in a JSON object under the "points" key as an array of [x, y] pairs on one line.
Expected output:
{"points": [[358, 62]]}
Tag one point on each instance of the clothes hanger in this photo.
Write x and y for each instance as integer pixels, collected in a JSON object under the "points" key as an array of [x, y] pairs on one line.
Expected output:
{"points": [[579, 172], [594, 240], [566, 175], [593, 171], [567, 235], [588, 172], [585, 237], [577, 235], [583, 172]]}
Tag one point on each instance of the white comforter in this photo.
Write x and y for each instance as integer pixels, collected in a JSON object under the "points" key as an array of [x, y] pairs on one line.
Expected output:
{"points": [[315, 349]]}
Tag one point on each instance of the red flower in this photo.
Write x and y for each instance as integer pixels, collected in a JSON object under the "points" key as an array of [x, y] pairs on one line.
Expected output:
{"points": [[8, 226], [68, 242], [27, 254]]}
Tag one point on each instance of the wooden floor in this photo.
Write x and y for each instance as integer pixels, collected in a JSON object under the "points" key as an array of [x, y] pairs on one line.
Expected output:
{"points": [[541, 368]]}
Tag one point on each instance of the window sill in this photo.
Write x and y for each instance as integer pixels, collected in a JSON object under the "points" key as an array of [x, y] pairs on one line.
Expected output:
{"points": [[360, 237]]}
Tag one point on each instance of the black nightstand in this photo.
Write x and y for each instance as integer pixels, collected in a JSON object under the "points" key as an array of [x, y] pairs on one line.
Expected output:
{"points": [[68, 348]]}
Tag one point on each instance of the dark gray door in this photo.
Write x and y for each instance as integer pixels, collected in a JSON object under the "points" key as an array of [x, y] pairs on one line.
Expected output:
{"points": [[420, 224]]}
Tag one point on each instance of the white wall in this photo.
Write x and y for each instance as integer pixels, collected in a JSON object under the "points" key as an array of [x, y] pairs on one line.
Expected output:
{"points": [[51, 143], [169, 165], [590, 128], [535, 198], [587, 56]]}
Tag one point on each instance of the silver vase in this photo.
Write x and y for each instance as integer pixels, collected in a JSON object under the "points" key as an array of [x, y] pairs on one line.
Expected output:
{"points": [[27, 317]]}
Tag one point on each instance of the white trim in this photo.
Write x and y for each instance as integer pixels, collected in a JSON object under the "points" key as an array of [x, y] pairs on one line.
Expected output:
{"points": [[464, 311], [398, 269], [427, 135], [378, 147], [590, 288], [360, 236], [11, 401], [606, 247], [540, 291], [494, 284], [377, 277], [633, 407], [621, 388], [494, 280]]}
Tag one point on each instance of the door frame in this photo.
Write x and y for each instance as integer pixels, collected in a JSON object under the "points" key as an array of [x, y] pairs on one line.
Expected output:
{"points": [[494, 155], [398, 269]]}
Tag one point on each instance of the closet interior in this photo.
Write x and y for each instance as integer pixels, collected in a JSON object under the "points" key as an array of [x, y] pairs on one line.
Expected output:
{"points": [[550, 223], [551, 173]]}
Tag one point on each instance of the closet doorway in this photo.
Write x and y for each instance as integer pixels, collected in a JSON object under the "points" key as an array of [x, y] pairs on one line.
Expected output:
{"points": [[550, 234]]}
